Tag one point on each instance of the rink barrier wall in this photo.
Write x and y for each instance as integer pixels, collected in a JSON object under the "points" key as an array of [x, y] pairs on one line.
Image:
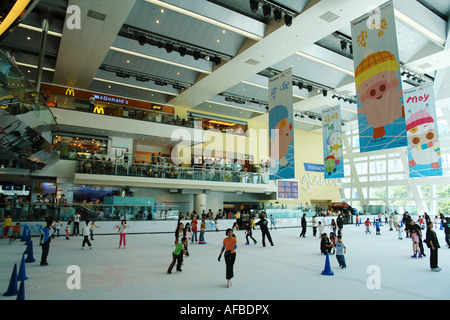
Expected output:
{"points": [[169, 226]]}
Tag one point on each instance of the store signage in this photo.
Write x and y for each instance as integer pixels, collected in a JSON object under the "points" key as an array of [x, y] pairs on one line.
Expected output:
{"points": [[308, 181], [99, 110], [70, 92], [156, 107], [315, 167], [106, 98]]}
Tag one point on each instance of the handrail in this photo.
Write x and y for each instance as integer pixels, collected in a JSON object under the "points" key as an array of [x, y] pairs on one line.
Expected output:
{"points": [[170, 171]]}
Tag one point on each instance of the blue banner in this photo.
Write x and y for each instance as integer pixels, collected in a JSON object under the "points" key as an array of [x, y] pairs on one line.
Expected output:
{"points": [[281, 127], [381, 113]]}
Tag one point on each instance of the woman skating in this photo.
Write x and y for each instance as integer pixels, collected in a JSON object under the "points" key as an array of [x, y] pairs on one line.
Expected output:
{"points": [[229, 246]]}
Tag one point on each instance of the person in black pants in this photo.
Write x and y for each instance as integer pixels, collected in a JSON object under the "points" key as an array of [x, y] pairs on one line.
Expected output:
{"points": [[303, 233], [248, 233], [446, 226], [46, 238], [262, 223], [229, 247], [432, 243]]}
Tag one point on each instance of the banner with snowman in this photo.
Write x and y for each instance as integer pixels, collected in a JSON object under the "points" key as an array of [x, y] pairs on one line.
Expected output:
{"points": [[281, 127], [381, 115], [424, 153], [332, 143]]}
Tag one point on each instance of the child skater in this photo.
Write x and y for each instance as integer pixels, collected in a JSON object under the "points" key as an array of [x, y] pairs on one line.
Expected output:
{"points": [[368, 224], [177, 255], [229, 246], [86, 235], [415, 243], [340, 250], [400, 230], [68, 229], [122, 230], [202, 232], [15, 233], [248, 233], [377, 227]]}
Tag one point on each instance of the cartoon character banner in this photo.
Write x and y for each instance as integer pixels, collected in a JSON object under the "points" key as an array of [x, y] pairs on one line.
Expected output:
{"points": [[424, 153], [281, 127], [381, 115], [332, 143]]}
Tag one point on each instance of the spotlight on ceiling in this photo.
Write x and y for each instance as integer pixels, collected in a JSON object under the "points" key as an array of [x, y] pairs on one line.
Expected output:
{"points": [[196, 55], [300, 85], [343, 45], [309, 87], [216, 60], [142, 39], [169, 47], [182, 51], [277, 15], [254, 5], [324, 92], [267, 10], [288, 20]]}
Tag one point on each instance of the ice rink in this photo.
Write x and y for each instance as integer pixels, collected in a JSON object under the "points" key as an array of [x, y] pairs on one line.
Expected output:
{"points": [[378, 267]]}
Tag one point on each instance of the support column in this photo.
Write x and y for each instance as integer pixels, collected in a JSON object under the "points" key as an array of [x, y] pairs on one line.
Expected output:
{"points": [[43, 45], [199, 203]]}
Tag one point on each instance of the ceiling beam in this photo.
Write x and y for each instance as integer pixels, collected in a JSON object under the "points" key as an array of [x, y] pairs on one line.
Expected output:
{"points": [[82, 50], [276, 46]]}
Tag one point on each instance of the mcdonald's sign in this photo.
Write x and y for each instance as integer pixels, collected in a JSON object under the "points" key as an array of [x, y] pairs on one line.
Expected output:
{"points": [[99, 110], [70, 92]]}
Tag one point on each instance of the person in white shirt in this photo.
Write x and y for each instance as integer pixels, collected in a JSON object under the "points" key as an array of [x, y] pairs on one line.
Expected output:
{"points": [[86, 234], [122, 230], [76, 224]]}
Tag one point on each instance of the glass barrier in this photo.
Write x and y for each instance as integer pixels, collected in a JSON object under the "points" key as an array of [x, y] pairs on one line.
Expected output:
{"points": [[26, 122], [169, 171], [39, 211]]}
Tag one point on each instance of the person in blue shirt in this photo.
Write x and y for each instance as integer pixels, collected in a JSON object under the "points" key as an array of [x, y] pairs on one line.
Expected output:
{"points": [[46, 238], [377, 226]]}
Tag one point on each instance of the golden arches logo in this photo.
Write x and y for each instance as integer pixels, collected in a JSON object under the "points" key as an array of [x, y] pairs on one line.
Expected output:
{"points": [[70, 92], [99, 110]]}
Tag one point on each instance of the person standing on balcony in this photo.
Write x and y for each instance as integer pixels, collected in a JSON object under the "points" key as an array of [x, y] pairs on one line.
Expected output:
{"points": [[91, 104]]}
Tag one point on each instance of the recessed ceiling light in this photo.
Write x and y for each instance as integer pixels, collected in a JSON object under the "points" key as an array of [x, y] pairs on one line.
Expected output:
{"points": [[162, 10], [157, 21]]}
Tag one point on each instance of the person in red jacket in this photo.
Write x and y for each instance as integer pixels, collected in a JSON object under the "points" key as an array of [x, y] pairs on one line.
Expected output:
{"points": [[368, 224], [194, 224]]}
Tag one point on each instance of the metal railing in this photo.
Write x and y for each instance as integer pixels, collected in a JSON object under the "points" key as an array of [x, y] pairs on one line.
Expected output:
{"points": [[170, 171]]}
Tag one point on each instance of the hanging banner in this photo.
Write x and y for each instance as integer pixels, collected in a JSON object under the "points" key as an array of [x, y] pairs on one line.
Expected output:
{"points": [[281, 127], [424, 153], [381, 114], [332, 143]]}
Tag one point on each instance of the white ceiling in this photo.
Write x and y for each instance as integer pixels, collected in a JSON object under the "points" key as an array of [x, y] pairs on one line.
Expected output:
{"points": [[310, 46]]}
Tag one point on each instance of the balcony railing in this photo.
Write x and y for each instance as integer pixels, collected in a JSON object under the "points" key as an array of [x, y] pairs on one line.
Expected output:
{"points": [[169, 171]]}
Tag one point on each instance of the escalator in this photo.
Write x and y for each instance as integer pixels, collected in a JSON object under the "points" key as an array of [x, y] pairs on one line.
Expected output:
{"points": [[26, 123]]}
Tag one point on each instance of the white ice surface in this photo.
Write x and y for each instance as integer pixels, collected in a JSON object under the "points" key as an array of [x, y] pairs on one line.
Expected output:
{"points": [[291, 270]]}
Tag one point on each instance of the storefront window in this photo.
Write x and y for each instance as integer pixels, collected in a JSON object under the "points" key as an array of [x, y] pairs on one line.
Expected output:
{"points": [[73, 148]]}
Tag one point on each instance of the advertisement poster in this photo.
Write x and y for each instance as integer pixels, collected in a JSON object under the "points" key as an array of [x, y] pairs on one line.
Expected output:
{"points": [[381, 113], [332, 143], [424, 153], [281, 127]]}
